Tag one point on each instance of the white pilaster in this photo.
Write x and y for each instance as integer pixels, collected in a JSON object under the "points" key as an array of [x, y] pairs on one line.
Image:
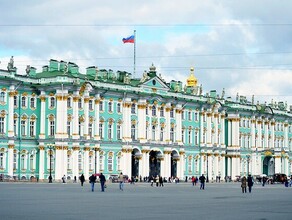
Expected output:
{"points": [[11, 113], [43, 116], [41, 162], [10, 160]]}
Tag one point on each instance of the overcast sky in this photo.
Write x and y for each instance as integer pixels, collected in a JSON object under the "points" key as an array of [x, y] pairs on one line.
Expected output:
{"points": [[243, 46]]}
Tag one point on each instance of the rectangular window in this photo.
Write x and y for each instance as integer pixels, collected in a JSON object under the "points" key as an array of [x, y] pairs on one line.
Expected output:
{"points": [[196, 116], [101, 106], [23, 102], [119, 132], [171, 113], [1, 125], [52, 128], [32, 103], [69, 103], [110, 131], [15, 101], [23, 128], [31, 128], [119, 108], [189, 115], [90, 104], [90, 130], [101, 131], [69, 128]]}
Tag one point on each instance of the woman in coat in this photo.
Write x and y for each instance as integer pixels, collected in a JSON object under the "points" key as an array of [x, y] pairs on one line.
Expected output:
{"points": [[243, 184], [249, 183]]}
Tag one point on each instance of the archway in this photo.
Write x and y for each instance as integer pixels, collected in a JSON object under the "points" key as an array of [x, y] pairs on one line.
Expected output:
{"points": [[268, 166], [154, 163], [173, 163], [136, 155]]}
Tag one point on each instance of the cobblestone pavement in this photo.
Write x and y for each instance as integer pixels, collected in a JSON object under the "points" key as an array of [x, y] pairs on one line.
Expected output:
{"points": [[141, 201]]}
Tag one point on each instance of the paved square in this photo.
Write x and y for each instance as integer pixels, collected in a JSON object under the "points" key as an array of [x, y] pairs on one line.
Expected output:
{"points": [[141, 201]]}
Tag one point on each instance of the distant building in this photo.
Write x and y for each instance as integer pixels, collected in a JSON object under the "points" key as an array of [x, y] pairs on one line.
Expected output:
{"points": [[62, 122]]}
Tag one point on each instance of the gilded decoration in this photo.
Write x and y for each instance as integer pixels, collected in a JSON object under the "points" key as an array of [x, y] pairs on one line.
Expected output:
{"points": [[51, 94], [141, 106], [24, 117], [126, 105], [51, 117], [69, 153], [24, 94], [91, 153], [33, 118], [75, 98], [145, 151], [86, 148], [209, 114], [167, 151], [2, 114], [65, 148], [13, 93], [81, 119], [162, 125], [58, 147], [3, 89], [69, 118], [10, 146], [172, 125], [76, 148], [86, 99], [91, 120], [181, 153], [111, 154]]}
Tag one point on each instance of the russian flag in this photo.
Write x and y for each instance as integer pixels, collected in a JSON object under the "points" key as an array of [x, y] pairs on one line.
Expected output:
{"points": [[130, 39]]}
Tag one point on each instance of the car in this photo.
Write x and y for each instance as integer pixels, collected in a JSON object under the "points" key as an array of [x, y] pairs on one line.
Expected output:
{"points": [[114, 178]]}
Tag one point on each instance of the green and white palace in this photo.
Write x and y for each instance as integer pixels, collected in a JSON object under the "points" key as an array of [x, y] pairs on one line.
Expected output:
{"points": [[60, 122]]}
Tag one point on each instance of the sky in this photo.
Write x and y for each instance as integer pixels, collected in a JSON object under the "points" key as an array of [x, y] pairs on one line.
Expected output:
{"points": [[241, 46]]}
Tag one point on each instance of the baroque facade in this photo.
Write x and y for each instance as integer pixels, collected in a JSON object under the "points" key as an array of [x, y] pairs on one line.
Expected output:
{"points": [[61, 122]]}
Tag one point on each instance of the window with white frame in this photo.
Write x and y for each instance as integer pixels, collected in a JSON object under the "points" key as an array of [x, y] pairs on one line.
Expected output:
{"points": [[110, 131], [90, 161], [119, 109], [119, 132], [110, 163], [23, 127], [69, 128], [32, 128], [161, 133], [172, 113], [172, 134], [22, 162], [100, 131], [101, 106], [161, 112], [189, 136], [31, 162], [189, 115], [133, 108], [52, 102], [23, 102], [2, 124], [2, 97], [153, 133], [183, 135], [183, 115], [196, 116], [32, 103], [146, 110], [101, 162], [15, 161], [80, 103], [110, 106], [15, 101], [133, 132], [90, 130], [69, 102], [1, 160], [153, 110], [190, 164], [196, 138], [52, 128], [90, 105], [69, 162], [119, 163]]}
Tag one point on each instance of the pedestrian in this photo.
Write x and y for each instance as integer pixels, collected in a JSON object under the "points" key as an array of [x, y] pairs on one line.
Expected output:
{"points": [[160, 181], [102, 181], [157, 180], [202, 181], [264, 181], [82, 179], [92, 180], [152, 180], [121, 181], [249, 183], [64, 179], [75, 179], [193, 180], [243, 184]]}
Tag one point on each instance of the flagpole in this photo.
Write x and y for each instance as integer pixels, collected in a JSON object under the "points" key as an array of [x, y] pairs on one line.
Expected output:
{"points": [[134, 53]]}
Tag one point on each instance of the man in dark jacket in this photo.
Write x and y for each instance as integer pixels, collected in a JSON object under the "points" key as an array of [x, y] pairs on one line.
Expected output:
{"points": [[249, 183], [92, 180], [202, 180], [102, 181]]}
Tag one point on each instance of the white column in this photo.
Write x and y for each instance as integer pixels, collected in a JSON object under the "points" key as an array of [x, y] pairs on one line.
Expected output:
{"points": [[266, 140], [162, 167], [222, 167], [259, 144], [126, 127], [272, 134], [202, 128], [86, 117], [96, 115], [216, 129], [167, 122], [167, 159], [10, 160], [43, 116], [286, 143], [75, 133], [229, 166], [216, 165], [96, 159], [142, 120], [75, 169], [178, 122], [209, 129], [11, 113], [41, 162], [65, 161], [58, 162], [230, 132], [222, 126], [181, 165], [86, 161], [252, 126], [202, 161]]}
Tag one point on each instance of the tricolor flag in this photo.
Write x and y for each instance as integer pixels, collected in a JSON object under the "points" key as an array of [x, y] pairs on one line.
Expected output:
{"points": [[130, 39]]}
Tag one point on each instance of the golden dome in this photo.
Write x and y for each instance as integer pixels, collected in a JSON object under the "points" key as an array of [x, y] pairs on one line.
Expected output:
{"points": [[192, 80]]}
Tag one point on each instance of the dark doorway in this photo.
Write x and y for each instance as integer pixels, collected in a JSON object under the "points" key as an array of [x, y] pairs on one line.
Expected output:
{"points": [[135, 162], [268, 166], [154, 163], [174, 159]]}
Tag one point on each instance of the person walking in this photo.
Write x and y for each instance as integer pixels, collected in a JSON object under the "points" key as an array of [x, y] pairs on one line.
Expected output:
{"points": [[243, 184], [202, 180], [160, 181], [249, 183], [92, 180], [82, 179], [157, 180], [102, 181], [64, 179], [121, 181], [193, 180]]}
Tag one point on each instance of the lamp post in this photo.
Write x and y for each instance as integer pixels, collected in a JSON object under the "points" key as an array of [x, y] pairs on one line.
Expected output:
{"points": [[248, 159], [50, 146], [207, 179]]}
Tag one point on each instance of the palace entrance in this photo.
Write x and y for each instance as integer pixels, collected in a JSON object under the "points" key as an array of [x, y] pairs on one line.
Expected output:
{"points": [[154, 163], [136, 155], [173, 163], [269, 166]]}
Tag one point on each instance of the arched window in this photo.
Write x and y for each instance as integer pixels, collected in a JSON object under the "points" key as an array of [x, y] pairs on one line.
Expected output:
{"points": [[52, 102], [110, 163], [31, 162], [133, 132], [133, 108], [2, 97], [68, 162], [110, 107], [22, 162], [23, 102], [90, 161], [80, 161], [32, 102], [119, 108], [69, 102], [153, 110], [190, 136], [2, 124], [101, 106], [119, 132], [101, 163], [172, 134], [90, 105], [161, 112], [153, 133], [161, 133], [110, 131]]}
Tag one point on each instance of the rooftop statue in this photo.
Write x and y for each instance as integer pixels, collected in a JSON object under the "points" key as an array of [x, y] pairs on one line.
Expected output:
{"points": [[223, 94], [10, 66], [145, 77]]}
